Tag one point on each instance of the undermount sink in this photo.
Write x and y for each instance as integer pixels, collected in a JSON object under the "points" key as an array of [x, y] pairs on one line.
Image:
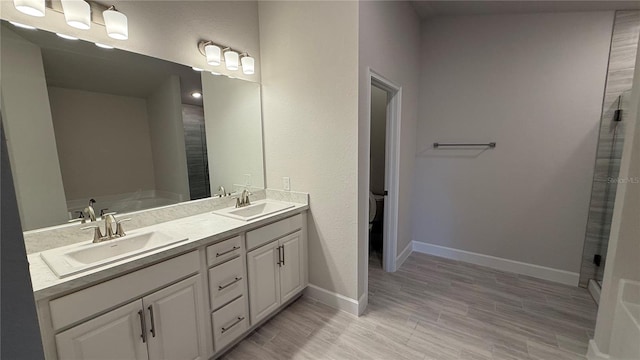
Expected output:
{"points": [[256, 210], [72, 259]]}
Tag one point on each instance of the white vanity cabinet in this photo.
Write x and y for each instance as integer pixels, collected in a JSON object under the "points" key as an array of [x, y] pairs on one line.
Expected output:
{"points": [[194, 305], [162, 325], [164, 315], [276, 266]]}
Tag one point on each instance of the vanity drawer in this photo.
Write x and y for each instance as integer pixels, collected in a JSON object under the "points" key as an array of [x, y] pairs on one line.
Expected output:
{"points": [[230, 322], [265, 234], [224, 251], [226, 282]]}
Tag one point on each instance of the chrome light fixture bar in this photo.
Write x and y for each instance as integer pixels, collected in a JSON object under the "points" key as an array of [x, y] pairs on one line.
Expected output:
{"points": [[216, 54]]}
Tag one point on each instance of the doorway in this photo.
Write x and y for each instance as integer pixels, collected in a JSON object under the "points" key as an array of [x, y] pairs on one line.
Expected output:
{"points": [[377, 170], [384, 168]]}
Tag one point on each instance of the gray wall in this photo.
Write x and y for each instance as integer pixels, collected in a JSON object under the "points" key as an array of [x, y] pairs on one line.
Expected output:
{"points": [[378, 140], [389, 44], [624, 47], [309, 80], [164, 108], [32, 145], [534, 84], [103, 143]]}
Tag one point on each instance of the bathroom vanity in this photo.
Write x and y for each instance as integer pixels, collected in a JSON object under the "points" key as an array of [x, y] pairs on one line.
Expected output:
{"points": [[193, 299]]}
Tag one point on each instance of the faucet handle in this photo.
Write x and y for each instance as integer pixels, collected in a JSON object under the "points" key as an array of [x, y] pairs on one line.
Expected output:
{"points": [[97, 234], [119, 229], [105, 215]]}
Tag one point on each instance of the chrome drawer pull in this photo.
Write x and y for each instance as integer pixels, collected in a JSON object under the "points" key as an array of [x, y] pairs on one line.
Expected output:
{"points": [[228, 251], [222, 287], [238, 320]]}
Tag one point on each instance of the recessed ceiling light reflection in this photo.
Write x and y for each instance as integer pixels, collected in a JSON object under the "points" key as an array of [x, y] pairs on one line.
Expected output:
{"points": [[104, 46], [23, 26], [68, 37], [196, 94]]}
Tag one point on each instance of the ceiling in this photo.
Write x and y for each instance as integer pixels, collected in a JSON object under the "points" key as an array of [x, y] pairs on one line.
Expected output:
{"points": [[427, 9], [82, 65]]}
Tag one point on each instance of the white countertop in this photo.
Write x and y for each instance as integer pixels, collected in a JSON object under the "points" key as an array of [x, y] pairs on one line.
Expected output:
{"points": [[206, 228]]}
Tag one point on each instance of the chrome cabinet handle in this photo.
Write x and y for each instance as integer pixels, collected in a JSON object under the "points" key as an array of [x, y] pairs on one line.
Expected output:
{"points": [[238, 320], [282, 254], [228, 251], [143, 327], [153, 322], [222, 287], [279, 257]]}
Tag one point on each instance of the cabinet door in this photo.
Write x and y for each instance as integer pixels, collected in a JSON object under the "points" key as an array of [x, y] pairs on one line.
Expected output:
{"points": [[117, 334], [264, 284], [175, 316], [291, 275]]}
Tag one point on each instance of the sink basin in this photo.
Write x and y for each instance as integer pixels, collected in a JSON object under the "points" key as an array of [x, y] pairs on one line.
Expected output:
{"points": [[72, 259], [256, 210]]}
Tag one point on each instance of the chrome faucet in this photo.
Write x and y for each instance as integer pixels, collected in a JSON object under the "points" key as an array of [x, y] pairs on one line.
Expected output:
{"points": [[243, 200], [223, 192], [91, 214], [109, 221]]}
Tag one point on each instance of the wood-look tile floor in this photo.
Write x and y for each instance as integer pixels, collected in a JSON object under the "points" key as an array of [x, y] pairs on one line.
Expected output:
{"points": [[435, 309]]}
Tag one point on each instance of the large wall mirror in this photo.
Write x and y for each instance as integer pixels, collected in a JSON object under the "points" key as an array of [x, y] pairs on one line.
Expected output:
{"points": [[130, 131]]}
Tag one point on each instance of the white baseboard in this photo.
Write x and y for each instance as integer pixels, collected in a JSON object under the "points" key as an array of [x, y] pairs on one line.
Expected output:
{"points": [[362, 303], [404, 254], [334, 300], [537, 271], [594, 353]]}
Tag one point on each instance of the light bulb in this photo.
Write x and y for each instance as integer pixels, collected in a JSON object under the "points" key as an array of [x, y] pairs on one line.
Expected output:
{"points": [[30, 7], [77, 13], [248, 65], [116, 24], [212, 53], [231, 59]]}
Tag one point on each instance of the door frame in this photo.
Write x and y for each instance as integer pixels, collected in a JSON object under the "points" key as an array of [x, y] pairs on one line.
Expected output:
{"points": [[392, 167]]}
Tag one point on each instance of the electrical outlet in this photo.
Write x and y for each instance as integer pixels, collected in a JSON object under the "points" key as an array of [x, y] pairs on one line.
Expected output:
{"points": [[286, 183]]}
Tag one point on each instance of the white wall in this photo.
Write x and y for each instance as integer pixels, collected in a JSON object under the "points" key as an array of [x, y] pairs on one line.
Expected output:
{"points": [[103, 143], [164, 108], [309, 84], [534, 84], [31, 141], [168, 30], [233, 122], [389, 43], [623, 256]]}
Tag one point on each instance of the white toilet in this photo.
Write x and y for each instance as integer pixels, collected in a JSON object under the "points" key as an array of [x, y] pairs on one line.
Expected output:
{"points": [[376, 207]]}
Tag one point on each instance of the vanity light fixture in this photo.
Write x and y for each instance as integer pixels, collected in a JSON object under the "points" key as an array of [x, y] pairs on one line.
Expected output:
{"points": [[116, 23], [231, 59], [23, 26], [248, 64], [104, 46], [216, 54], [77, 13], [68, 37], [212, 52], [196, 94], [30, 7]]}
